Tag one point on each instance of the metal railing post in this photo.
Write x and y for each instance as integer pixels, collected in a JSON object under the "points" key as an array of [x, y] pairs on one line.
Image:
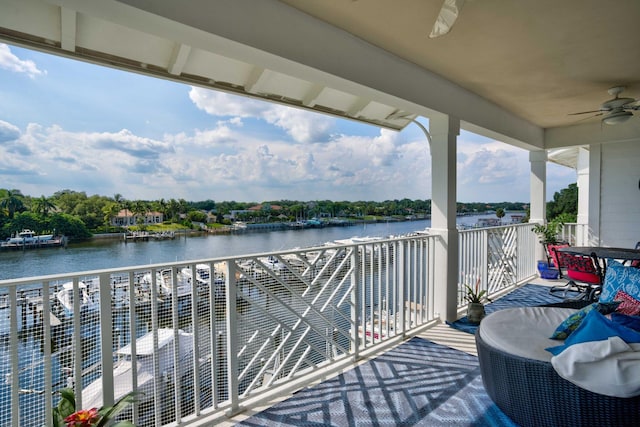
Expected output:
{"points": [[355, 304], [232, 337], [106, 332]]}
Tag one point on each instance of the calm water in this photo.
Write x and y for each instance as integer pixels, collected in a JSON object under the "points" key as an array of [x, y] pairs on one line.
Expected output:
{"points": [[112, 253]]}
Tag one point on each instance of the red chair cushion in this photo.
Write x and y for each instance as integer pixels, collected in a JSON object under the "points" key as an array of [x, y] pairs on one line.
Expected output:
{"points": [[580, 267], [552, 250]]}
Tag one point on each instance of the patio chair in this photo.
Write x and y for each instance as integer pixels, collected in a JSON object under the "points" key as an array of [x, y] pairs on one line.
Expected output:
{"points": [[552, 255], [636, 263], [585, 276]]}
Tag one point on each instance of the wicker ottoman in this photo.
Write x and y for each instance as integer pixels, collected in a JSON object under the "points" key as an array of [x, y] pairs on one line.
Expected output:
{"points": [[531, 393]]}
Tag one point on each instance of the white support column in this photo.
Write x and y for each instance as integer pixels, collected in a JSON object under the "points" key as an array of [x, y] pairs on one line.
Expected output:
{"points": [[595, 171], [444, 132], [538, 190], [582, 168]]}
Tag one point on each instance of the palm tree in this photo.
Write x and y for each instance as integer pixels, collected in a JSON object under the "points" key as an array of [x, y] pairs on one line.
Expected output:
{"points": [[42, 206], [139, 210], [160, 206], [110, 210], [172, 209], [11, 201]]}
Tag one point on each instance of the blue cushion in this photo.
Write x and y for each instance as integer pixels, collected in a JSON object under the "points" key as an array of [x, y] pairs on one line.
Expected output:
{"points": [[596, 327], [572, 322], [620, 277], [632, 322]]}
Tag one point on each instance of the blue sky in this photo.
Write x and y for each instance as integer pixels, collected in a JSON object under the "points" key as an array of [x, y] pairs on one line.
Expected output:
{"points": [[66, 124]]}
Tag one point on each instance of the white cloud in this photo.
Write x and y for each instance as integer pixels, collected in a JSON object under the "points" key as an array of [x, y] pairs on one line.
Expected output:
{"points": [[8, 132], [226, 163], [301, 125], [11, 62]]}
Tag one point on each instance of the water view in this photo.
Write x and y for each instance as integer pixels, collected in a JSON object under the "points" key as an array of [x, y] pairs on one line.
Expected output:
{"points": [[112, 253]]}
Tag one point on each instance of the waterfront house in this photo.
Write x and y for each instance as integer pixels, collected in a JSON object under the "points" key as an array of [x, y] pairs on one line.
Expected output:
{"points": [[513, 71], [126, 218]]}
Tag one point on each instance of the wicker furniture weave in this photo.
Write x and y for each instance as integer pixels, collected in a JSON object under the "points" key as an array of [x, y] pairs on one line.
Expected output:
{"points": [[531, 393]]}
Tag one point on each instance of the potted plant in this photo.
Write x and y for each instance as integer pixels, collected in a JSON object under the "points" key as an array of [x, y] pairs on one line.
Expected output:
{"points": [[548, 237], [548, 233], [475, 297]]}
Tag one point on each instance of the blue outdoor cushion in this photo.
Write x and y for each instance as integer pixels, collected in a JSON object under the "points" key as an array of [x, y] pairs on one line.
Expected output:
{"points": [[620, 278], [632, 322], [572, 322], [596, 327]]}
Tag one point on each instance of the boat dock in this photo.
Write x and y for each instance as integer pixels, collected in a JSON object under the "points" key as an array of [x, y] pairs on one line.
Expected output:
{"points": [[143, 236]]}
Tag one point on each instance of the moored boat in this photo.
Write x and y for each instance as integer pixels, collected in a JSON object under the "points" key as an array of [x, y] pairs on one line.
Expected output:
{"points": [[142, 365], [27, 239], [65, 297]]}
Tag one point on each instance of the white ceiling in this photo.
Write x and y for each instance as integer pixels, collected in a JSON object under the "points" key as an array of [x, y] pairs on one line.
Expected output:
{"points": [[515, 68], [539, 59]]}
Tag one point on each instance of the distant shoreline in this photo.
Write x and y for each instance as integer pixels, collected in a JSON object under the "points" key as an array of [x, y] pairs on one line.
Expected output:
{"points": [[281, 226]]}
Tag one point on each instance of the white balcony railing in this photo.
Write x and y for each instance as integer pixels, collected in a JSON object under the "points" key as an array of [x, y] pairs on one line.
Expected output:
{"points": [[496, 258], [248, 329]]}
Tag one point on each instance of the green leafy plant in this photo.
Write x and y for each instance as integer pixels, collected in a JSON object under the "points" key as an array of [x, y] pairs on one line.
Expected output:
{"points": [[548, 233], [66, 415], [475, 294]]}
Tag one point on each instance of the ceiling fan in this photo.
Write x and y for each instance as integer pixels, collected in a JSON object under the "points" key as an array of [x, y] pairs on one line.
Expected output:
{"points": [[616, 110], [446, 18]]}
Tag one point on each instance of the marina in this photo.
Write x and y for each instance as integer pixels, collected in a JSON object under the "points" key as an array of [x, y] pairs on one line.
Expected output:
{"points": [[272, 292]]}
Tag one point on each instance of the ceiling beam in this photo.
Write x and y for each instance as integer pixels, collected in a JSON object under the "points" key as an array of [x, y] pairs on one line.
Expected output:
{"points": [[68, 27], [358, 106], [178, 59], [252, 84], [312, 95]]}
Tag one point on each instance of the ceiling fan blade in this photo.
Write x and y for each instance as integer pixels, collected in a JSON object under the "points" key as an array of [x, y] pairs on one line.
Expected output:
{"points": [[588, 112], [446, 18], [632, 105], [590, 117]]}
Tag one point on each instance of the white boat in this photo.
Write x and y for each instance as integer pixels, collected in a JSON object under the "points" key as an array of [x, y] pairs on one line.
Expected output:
{"points": [[164, 282], [203, 274], [144, 364], [29, 238], [65, 298]]}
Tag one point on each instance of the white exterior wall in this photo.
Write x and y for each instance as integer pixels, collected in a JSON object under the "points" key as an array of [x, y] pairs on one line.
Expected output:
{"points": [[620, 194]]}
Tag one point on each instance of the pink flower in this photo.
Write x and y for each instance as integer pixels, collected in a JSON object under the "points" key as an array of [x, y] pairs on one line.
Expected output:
{"points": [[83, 418]]}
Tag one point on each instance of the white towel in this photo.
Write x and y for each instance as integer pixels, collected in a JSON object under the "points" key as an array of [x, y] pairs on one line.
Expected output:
{"points": [[610, 367]]}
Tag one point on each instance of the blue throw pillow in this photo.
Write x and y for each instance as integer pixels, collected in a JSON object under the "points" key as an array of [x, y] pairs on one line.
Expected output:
{"points": [[572, 322], [596, 327], [632, 322], [620, 278]]}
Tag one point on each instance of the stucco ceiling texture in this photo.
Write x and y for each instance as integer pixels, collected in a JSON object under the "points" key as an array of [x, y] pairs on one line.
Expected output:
{"points": [[541, 59]]}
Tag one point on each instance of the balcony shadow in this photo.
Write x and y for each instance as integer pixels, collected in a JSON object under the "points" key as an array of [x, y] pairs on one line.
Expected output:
{"points": [[417, 383]]}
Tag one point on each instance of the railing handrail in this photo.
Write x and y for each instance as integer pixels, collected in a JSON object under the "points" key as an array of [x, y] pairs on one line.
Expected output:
{"points": [[327, 307], [166, 265]]}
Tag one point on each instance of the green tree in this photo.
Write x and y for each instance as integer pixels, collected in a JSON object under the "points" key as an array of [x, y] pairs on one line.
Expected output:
{"points": [[197, 216], [110, 210], [26, 220], [42, 206], [500, 213], [11, 201], [69, 225], [173, 209], [564, 202]]}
